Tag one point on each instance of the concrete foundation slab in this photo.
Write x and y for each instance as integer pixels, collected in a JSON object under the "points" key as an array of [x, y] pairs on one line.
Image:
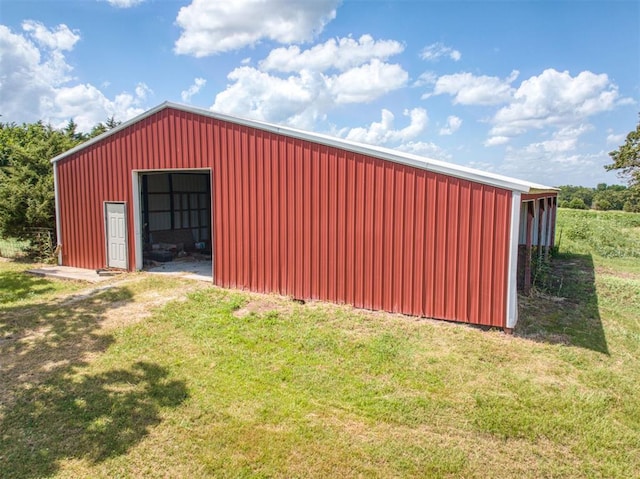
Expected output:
{"points": [[190, 269], [185, 268], [67, 272]]}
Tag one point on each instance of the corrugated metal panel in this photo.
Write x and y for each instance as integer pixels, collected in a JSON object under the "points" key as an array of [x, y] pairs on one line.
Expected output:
{"points": [[308, 220]]}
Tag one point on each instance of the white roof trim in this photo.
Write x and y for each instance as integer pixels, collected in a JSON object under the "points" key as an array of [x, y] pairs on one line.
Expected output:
{"points": [[409, 159]]}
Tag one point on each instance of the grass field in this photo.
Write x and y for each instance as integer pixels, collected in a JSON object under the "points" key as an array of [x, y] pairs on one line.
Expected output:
{"points": [[150, 377]]}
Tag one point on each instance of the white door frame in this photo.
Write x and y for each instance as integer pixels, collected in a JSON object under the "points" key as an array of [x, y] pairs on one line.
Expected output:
{"points": [[106, 232], [136, 177]]}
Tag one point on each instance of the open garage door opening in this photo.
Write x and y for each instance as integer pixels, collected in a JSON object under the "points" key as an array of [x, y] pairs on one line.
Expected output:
{"points": [[175, 222]]}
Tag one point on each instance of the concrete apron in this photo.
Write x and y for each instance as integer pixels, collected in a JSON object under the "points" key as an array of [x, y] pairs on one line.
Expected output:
{"points": [[68, 272], [197, 270]]}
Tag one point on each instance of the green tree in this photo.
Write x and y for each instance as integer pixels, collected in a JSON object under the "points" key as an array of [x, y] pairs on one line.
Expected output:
{"points": [[626, 160], [570, 192], [100, 128], [26, 174], [603, 204]]}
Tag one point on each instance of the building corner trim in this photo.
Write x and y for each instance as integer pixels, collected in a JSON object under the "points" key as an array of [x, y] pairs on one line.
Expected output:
{"points": [[56, 197], [512, 273]]}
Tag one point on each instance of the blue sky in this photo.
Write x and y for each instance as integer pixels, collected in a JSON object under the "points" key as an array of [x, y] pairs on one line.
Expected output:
{"points": [[538, 90]]}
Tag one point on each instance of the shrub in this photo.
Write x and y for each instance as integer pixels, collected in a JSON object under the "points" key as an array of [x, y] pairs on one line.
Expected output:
{"points": [[577, 204]]}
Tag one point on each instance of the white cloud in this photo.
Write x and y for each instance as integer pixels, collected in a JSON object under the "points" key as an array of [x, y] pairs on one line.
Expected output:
{"points": [[563, 140], [437, 50], [426, 78], [468, 89], [542, 164], [340, 54], [124, 3], [453, 124], [496, 140], [88, 106], [613, 139], [142, 90], [35, 81], [555, 98], [367, 82], [302, 100], [198, 83], [482, 166], [552, 146], [27, 75], [559, 158], [297, 100], [61, 38], [211, 27], [353, 73], [383, 132], [425, 148]]}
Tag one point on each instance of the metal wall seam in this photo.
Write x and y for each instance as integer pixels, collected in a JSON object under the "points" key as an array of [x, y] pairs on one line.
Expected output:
{"points": [[309, 220]]}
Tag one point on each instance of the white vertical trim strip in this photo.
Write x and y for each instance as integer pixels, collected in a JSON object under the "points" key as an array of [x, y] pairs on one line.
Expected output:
{"points": [[137, 233], [56, 196], [512, 276], [549, 216], [212, 221]]}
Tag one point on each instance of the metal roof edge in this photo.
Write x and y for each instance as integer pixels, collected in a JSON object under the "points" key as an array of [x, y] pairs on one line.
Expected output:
{"points": [[113, 131], [542, 189], [396, 156]]}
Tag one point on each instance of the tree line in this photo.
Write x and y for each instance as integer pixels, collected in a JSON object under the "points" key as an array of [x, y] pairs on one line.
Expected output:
{"points": [[27, 194], [26, 173], [626, 161], [603, 197]]}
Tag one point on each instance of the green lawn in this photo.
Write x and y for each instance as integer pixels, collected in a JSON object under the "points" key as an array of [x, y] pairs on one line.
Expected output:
{"points": [[115, 381]]}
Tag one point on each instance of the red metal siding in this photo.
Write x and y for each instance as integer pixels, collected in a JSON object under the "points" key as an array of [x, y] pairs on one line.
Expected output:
{"points": [[307, 220]]}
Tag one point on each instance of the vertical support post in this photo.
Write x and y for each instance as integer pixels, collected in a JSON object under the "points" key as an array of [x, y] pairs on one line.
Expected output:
{"points": [[540, 240], [547, 240], [554, 212], [171, 206], [527, 259]]}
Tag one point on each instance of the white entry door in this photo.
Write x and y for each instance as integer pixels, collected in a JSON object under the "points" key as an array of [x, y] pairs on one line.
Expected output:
{"points": [[116, 224]]}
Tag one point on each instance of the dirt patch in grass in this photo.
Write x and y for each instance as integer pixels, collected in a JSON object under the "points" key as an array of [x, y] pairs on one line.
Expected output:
{"points": [[263, 305], [124, 313]]}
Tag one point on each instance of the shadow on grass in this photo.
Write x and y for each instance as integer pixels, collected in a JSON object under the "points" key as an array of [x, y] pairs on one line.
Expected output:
{"points": [[49, 410], [16, 285], [566, 310]]}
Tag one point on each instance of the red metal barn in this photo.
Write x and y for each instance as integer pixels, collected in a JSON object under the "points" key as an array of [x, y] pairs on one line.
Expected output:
{"points": [[303, 215]]}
